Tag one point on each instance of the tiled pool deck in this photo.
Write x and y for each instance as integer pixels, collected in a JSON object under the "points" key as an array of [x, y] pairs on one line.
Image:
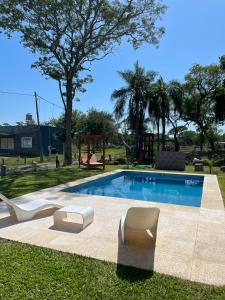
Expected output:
{"points": [[190, 241]]}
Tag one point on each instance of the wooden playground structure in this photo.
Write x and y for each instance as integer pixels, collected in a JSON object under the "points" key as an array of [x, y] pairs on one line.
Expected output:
{"points": [[93, 144], [147, 154]]}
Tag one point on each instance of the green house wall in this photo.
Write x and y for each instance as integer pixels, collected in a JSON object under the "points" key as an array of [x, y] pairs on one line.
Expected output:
{"points": [[50, 136]]}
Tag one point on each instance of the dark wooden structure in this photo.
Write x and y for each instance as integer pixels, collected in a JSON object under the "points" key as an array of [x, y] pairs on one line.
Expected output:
{"points": [[147, 155], [93, 143]]}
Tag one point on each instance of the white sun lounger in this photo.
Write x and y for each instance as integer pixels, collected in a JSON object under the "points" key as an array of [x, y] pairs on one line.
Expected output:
{"points": [[140, 218], [26, 211]]}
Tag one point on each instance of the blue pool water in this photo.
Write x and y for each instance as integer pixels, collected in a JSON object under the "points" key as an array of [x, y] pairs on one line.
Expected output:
{"points": [[156, 187]]}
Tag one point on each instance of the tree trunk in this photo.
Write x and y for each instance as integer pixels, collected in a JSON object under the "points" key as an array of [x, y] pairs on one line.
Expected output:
{"points": [[211, 142], [163, 133], [158, 135], [137, 147], [137, 130], [201, 140], [140, 135], [136, 141], [68, 125], [203, 134], [176, 141]]}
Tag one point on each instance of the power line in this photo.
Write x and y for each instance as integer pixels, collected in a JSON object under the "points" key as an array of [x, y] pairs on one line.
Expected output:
{"points": [[31, 95], [16, 93], [50, 102]]}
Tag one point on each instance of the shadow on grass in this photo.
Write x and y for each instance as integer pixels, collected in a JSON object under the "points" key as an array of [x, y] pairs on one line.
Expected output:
{"points": [[132, 274], [135, 262]]}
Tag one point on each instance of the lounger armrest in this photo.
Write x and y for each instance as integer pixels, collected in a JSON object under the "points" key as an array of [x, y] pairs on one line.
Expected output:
{"points": [[122, 225]]}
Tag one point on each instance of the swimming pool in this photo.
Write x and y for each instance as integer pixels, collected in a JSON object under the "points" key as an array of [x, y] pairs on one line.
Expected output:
{"points": [[146, 186]]}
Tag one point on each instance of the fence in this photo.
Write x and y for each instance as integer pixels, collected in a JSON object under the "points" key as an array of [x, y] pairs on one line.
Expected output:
{"points": [[32, 167]]}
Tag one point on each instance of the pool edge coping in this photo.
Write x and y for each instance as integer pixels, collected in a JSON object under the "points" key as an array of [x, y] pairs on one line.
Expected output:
{"points": [[211, 194]]}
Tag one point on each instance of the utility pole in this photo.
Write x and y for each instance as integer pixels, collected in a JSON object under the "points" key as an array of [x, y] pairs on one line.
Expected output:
{"points": [[39, 128]]}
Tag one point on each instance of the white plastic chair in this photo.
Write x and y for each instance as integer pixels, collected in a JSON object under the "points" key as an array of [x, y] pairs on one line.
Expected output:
{"points": [[140, 219], [26, 211]]}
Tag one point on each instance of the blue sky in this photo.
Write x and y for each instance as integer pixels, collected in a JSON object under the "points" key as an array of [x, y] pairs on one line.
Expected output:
{"points": [[194, 34]]}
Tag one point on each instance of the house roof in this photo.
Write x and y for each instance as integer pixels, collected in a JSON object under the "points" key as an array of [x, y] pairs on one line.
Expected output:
{"points": [[7, 130]]}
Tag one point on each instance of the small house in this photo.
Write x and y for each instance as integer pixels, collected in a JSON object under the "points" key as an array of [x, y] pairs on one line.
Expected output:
{"points": [[24, 140]]}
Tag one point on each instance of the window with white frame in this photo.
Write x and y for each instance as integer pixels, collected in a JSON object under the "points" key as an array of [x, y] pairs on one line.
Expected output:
{"points": [[26, 142]]}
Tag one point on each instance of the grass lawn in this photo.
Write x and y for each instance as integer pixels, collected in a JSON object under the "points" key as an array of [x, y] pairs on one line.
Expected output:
{"points": [[16, 185], [16, 161], [30, 272], [221, 179]]}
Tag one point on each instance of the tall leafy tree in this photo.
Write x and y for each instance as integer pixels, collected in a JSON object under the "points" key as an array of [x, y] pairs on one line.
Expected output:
{"points": [[220, 96], [176, 98], [189, 138], [68, 35], [177, 132], [222, 62], [133, 96], [101, 122], [78, 123], [201, 87], [159, 106], [91, 122], [154, 111], [220, 104], [165, 106]]}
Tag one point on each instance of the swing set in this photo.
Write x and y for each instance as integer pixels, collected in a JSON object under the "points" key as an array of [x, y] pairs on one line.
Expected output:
{"points": [[93, 144]]}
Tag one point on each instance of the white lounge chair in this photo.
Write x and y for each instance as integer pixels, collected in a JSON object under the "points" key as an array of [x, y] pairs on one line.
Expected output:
{"points": [[140, 219], [26, 211]]}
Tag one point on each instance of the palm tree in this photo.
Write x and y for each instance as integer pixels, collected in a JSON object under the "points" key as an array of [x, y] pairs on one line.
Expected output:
{"points": [[154, 111], [176, 95], [134, 97], [159, 106]]}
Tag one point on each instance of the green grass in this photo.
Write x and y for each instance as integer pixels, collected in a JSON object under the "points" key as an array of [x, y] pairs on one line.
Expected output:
{"points": [[221, 179], [30, 272], [16, 161], [16, 185]]}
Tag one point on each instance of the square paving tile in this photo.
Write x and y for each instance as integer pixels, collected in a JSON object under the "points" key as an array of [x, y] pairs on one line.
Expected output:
{"points": [[208, 272], [209, 253], [175, 265]]}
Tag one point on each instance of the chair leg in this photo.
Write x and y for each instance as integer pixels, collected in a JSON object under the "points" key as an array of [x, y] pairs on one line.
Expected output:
{"points": [[12, 212]]}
